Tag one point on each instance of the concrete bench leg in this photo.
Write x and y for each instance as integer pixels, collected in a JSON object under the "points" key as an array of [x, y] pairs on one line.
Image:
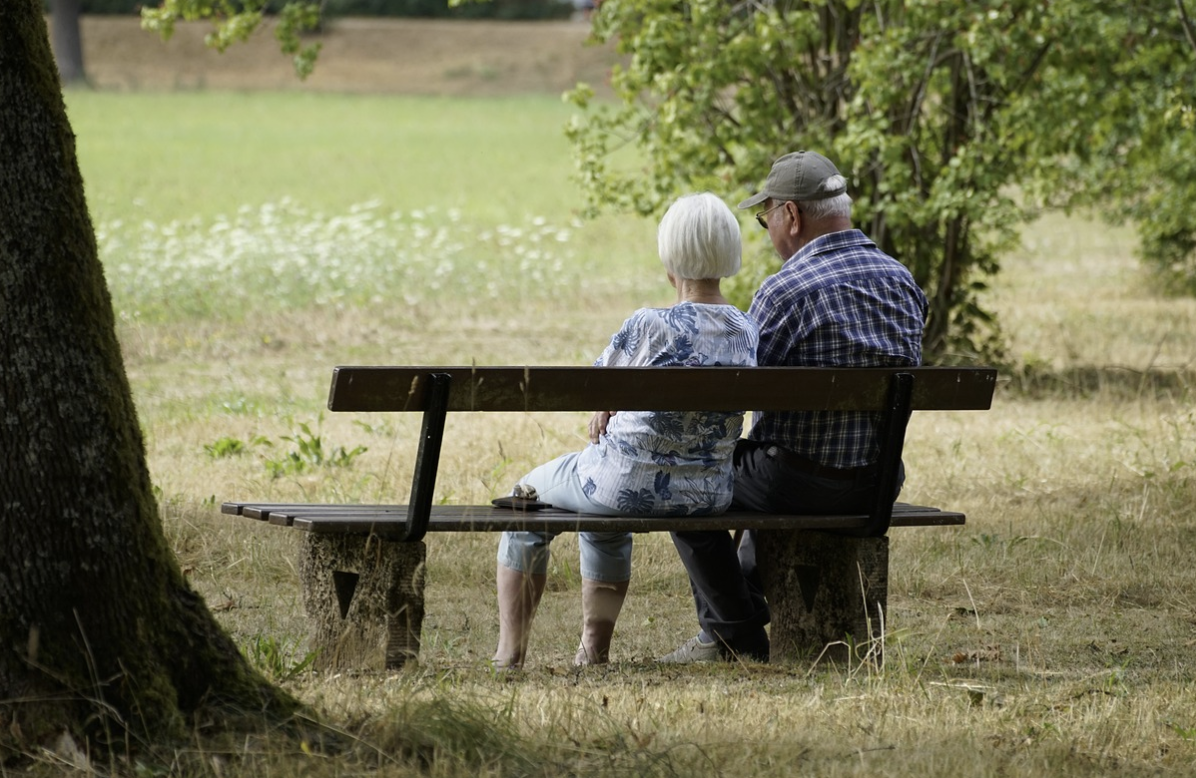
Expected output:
{"points": [[824, 590], [364, 598]]}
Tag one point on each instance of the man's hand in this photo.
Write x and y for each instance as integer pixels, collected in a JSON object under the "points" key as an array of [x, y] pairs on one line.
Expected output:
{"points": [[598, 424]]}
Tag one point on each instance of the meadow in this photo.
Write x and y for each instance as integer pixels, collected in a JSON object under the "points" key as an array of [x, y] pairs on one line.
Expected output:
{"points": [[254, 241]]}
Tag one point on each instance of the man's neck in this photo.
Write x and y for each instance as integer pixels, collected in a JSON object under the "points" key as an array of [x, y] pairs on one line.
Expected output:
{"points": [[813, 230]]}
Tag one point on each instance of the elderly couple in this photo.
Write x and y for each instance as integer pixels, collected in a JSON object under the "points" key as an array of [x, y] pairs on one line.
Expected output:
{"points": [[836, 301]]}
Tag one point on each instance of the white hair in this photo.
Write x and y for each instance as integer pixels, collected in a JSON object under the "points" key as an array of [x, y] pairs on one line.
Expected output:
{"points": [[699, 238], [840, 205]]}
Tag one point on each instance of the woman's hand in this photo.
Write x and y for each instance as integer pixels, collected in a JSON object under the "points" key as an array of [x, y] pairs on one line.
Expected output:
{"points": [[598, 424]]}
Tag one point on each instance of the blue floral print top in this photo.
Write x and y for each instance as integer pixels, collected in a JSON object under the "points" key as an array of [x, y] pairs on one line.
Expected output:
{"points": [[670, 463]]}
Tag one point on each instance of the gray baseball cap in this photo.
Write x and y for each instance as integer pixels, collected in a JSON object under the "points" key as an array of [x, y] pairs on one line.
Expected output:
{"points": [[798, 176]]}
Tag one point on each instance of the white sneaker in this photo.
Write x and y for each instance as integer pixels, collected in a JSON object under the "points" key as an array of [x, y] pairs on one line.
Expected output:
{"points": [[694, 650]]}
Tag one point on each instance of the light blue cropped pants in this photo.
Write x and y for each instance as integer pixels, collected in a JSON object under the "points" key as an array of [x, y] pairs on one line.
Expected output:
{"points": [[605, 556]]}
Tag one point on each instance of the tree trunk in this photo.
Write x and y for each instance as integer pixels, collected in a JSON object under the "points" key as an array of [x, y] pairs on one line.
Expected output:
{"points": [[67, 40], [100, 634]]}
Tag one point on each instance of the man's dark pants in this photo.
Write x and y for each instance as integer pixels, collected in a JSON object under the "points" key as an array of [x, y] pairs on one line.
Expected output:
{"points": [[725, 583]]}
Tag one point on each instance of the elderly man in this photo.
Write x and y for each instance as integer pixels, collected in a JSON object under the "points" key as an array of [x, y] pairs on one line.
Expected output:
{"points": [[837, 301]]}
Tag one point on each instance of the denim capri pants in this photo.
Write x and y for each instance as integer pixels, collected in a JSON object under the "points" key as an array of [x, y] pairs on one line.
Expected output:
{"points": [[605, 556]]}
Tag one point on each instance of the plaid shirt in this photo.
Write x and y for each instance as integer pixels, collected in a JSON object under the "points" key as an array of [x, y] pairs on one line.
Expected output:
{"points": [[838, 302]]}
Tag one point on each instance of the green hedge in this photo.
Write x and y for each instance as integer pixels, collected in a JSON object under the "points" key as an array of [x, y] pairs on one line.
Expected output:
{"points": [[427, 9]]}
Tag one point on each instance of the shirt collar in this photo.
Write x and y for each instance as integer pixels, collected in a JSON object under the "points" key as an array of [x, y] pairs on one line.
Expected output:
{"points": [[834, 241]]}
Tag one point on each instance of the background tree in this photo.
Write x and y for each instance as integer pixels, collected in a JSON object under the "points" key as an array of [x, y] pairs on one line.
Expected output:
{"points": [[67, 40], [100, 634], [954, 122], [1140, 165]]}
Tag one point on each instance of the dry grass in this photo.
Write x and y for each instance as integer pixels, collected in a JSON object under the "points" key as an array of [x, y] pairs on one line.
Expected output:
{"points": [[1052, 635], [1076, 300]]}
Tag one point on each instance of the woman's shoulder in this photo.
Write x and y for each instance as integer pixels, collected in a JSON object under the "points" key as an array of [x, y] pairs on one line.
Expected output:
{"points": [[650, 318], [727, 314], [688, 317]]}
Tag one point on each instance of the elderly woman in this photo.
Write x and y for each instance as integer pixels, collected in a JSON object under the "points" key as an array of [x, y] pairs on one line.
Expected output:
{"points": [[639, 463]]}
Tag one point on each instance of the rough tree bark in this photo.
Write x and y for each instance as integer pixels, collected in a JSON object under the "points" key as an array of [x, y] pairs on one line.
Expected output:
{"points": [[67, 41], [100, 635]]}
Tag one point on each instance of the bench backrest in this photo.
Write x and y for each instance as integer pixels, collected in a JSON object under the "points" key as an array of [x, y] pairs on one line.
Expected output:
{"points": [[658, 388], [891, 392]]}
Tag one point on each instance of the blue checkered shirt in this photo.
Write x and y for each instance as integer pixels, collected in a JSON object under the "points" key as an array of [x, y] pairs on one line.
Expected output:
{"points": [[838, 302]]}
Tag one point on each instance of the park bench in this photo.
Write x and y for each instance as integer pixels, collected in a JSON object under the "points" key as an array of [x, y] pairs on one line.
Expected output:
{"points": [[825, 577]]}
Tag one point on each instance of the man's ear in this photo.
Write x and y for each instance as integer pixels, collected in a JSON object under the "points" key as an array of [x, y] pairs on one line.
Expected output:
{"points": [[796, 222]]}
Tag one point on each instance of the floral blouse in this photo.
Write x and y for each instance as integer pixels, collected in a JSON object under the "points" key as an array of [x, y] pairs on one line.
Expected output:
{"points": [[670, 463]]}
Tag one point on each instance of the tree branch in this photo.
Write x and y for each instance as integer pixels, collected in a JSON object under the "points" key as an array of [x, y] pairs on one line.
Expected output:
{"points": [[974, 105], [1186, 21], [1030, 71], [915, 107]]}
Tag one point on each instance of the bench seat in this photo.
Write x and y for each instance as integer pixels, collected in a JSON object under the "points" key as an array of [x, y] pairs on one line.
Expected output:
{"points": [[389, 521]]}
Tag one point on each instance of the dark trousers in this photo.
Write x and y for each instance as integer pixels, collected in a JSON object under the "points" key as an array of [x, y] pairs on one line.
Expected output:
{"points": [[725, 583]]}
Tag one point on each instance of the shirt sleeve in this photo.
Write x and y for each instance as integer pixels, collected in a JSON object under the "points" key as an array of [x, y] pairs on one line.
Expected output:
{"points": [[636, 342], [615, 353]]}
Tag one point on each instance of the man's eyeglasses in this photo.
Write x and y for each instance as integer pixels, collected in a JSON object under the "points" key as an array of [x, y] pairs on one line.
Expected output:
{"points": [[763, 222]]}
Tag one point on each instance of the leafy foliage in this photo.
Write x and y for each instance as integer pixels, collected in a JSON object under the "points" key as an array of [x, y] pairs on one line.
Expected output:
{"points": [[228, 446], [310, 452], [236, 20], [225, 446], [952, 121], [280, 658], [1140, 163]]}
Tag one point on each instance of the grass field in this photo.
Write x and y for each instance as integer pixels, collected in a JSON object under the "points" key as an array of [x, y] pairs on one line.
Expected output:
{"points": [[254, 241]]}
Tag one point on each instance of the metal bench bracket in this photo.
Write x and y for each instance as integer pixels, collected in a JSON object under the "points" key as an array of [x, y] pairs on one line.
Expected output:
{"points": [[423, 482]]}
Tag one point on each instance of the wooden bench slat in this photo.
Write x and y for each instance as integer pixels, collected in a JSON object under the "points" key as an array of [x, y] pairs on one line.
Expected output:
{"points": [[376, 388], [264, 510], [388, 520], [254, 510]]}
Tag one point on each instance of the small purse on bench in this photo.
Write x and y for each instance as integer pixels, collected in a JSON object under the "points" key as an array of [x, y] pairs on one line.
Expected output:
{"points": [[520, 503]]}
